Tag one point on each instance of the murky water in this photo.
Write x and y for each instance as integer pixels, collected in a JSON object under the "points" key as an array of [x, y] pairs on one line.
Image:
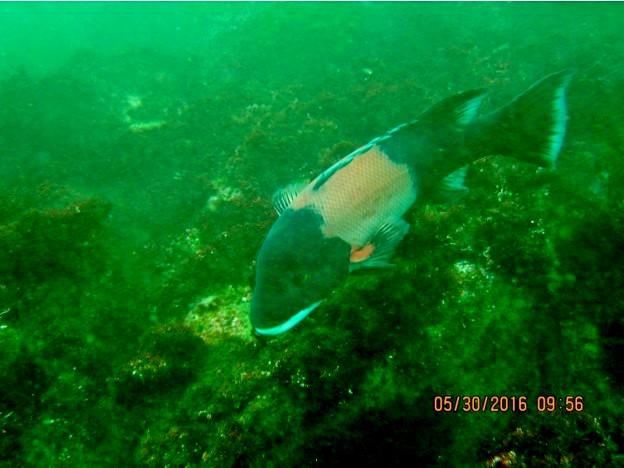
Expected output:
{"points": [[140, 145]]}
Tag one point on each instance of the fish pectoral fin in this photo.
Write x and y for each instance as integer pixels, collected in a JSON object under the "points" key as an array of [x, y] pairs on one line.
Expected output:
{"points": [[284, 197], [451, 189], [377, 252]]}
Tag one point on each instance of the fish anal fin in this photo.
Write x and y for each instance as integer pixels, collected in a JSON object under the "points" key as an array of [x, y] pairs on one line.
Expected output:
{"points": [[451, 189], [284, 197], [377, 252]]}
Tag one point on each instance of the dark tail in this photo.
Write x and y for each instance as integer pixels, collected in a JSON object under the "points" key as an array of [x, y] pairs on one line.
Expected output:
{"points": [[532, 127]]}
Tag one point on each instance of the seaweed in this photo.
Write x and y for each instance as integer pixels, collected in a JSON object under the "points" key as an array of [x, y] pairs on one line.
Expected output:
{"points": [[136, 194]]}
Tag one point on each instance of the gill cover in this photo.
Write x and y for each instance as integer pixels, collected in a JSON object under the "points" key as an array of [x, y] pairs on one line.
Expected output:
{"points": [[297, 268]]}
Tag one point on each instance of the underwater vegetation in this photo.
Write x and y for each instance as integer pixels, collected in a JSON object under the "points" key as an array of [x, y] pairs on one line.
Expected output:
{"points": [[137, 192]]}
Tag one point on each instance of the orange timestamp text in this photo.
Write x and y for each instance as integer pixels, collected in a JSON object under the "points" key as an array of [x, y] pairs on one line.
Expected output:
{"points": [[505, 403]]}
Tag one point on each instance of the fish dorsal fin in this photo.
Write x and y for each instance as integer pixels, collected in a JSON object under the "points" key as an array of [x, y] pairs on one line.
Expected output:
{"points": [[284, 196], [325, 176], [451, 189], [459, 109], [377, 252]]}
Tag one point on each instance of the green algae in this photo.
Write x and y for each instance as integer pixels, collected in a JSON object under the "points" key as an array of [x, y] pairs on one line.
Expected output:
{"points": [[127, 257]]}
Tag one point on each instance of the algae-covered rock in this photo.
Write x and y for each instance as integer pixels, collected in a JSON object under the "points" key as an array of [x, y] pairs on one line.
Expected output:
{"points": [[171, 358], [554, 439]]}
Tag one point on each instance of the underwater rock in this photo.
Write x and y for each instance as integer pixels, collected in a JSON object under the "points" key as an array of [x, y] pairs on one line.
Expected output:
{"points": [[148, 126], [171, 358], [217, 318], [50, 240], [24, 381], [555, 439]]}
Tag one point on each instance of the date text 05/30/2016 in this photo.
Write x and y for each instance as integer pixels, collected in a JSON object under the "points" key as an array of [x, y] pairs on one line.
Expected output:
{"points": [[504, 403]]}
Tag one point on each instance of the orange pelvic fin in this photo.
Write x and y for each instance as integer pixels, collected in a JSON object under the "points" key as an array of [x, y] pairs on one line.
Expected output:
{"points": [[377, 252]]}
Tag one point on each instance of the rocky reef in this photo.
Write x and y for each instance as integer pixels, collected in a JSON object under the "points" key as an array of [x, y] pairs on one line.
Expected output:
{"points": [[130, 219]]}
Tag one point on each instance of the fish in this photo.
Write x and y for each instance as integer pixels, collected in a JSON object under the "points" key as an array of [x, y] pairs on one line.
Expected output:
{"points": [[349, 218]]}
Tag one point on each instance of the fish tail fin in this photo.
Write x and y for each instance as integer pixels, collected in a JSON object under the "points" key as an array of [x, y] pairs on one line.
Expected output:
{"points": [[532, 127]]}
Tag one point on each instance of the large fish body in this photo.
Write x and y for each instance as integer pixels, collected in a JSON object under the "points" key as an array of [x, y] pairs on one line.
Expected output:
{"points": [[349, 217]]}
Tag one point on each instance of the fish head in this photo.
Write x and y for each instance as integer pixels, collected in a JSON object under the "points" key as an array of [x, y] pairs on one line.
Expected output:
{"points": [[297, 268]]}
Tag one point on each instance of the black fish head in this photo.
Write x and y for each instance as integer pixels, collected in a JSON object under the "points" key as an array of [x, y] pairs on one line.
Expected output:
{"points": [[297, 268]]}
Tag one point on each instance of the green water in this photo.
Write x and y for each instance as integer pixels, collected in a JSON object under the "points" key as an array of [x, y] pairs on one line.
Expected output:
{"points": [[140, 144]]}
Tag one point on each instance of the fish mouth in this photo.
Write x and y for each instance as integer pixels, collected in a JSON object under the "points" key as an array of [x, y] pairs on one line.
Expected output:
{"points": [[288, 324]]}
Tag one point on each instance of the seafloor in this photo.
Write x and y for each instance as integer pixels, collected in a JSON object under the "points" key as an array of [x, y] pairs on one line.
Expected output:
{"points": [[137, 194]]}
